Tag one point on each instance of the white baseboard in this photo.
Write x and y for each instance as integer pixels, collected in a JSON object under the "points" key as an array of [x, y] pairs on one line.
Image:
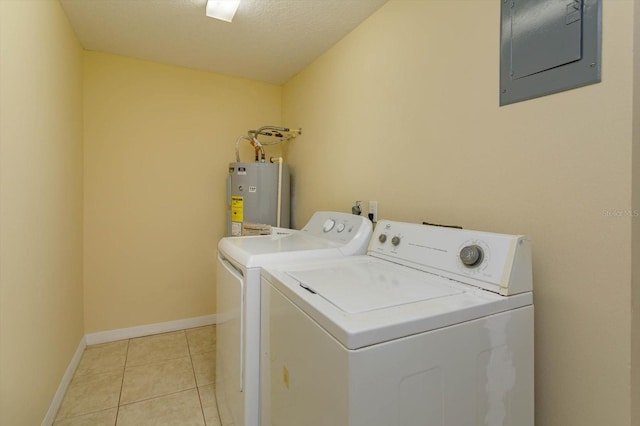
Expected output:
{"points": [[147, 330], [50, 417]]}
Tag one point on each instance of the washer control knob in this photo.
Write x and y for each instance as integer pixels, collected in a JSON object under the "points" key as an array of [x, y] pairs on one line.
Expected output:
{"points": [[471, 255], [382, 238], [395, 240], [328, 225], [340, 227]]}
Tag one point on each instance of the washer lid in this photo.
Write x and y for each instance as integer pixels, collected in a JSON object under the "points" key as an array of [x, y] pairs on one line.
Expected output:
{"points": [[338, 295], [361, 287]]}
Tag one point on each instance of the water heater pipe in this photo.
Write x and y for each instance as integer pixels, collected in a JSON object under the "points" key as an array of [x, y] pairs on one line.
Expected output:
{"points": [[283, 134], [246, 138], [259, 150], [276, 132], [279, 209]]}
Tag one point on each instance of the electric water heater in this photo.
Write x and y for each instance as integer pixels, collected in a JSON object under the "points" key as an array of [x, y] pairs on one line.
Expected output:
{"points": [[257, 194]]}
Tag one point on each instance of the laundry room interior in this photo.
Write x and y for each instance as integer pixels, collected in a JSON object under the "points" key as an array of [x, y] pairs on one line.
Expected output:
{"points": [[113, 188]]}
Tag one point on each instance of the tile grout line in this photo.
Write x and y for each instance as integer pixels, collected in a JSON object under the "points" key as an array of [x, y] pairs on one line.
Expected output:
{"points": [[215, 399], [151, 398], [124, 370], [195, 379], [215, 396]]}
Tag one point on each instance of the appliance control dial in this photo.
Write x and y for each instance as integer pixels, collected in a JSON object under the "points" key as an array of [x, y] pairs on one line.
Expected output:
{"points": [[328, 225], [471, 255], [395, 240], [382, 238], [340, 227]]}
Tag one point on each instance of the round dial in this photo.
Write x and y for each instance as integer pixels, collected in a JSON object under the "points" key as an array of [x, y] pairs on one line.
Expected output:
{"points": [[382, 238], [395, 240], [471, 255], [328, 225], [340, 227]]}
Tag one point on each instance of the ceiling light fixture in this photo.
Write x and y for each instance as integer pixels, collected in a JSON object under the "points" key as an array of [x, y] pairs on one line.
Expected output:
{"points": [[222, 9]]}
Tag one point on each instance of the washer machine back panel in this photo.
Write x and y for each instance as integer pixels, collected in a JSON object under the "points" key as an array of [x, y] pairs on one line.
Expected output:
{"points": [[496, 262]]}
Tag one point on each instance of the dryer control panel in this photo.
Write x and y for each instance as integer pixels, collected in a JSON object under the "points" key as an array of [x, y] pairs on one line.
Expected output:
{"points": [[496, 262], [338, 227]]}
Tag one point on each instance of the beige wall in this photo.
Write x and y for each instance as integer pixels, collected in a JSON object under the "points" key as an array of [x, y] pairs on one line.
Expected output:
{"points": [[404, 111], [635, 289], [41, 323], [158, 140]]}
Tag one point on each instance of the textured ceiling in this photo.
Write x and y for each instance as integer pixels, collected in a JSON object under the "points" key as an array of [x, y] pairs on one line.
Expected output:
{"points": [[268, 40]]}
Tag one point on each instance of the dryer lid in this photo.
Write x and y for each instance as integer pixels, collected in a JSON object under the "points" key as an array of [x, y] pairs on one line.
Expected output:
{"points": [[257, 251], [362, 287]]}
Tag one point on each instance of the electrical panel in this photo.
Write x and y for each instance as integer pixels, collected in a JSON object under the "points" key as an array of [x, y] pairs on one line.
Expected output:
{"points": [[548, 46]]}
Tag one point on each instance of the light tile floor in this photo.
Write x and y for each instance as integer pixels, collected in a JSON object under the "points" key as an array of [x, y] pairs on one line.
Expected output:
{"points": [[164, 379]]}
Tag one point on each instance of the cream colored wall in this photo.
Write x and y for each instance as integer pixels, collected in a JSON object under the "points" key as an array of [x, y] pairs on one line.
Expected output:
{"points": [[41, 317], [635, 289], [404, 111], [158, 141]]}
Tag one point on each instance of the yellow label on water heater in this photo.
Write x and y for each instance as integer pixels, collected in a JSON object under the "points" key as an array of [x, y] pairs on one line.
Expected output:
{"points": [[237, 208]]}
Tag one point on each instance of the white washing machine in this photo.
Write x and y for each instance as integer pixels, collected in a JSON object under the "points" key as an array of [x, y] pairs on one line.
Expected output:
{"points": [[434, 326], [326, 235]]}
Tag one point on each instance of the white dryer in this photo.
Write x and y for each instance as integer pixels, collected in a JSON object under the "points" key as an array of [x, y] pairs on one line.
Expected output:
{"points": [[326, 235], [433, 327]]}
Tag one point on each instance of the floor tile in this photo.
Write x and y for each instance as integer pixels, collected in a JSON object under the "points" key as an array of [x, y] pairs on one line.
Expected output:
{"points": [[90, 393], [209, 406], [103, 358], [157, 379], [164, 379], [204, 367], [182, 408], [100, 418], [202, 339], [160, 347]]}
